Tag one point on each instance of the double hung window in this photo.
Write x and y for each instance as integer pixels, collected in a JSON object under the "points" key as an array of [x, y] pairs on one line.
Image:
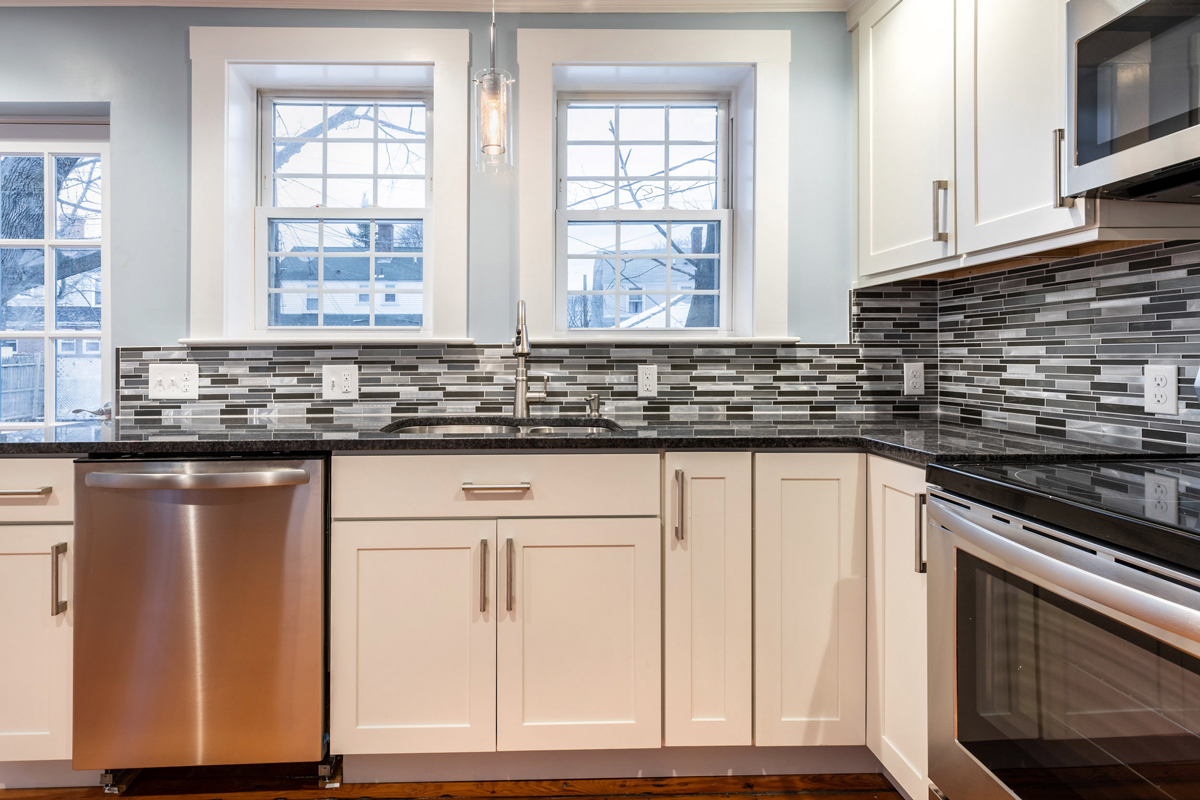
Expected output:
{"points": [[344, 201], [51, 268], [644, 228]]}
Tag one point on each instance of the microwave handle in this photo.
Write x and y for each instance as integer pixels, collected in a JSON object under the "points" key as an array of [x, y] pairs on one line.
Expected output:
{"points": [[1150, 609]]}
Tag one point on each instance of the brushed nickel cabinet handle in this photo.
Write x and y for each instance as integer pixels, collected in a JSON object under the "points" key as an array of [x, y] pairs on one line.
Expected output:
{"points": [[483, 548], [681, 481], [497, 487], [41, 491], [511, 599], [1060, 136], [938, 234], [919, 561], [57, 606]]}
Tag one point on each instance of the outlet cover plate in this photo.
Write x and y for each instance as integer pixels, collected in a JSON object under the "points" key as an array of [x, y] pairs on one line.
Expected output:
{"points": [[177, 380], [1162, 498], [647, 380], [914, 379], [339, 382], [1162, 389]]}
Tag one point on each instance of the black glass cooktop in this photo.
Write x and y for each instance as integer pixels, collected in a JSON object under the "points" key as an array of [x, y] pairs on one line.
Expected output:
{"points": [[1148, 507]]}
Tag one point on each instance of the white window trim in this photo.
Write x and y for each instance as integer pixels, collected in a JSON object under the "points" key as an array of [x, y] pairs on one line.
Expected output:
{"points": [[49, 334], [229, 67], [760, 193]]}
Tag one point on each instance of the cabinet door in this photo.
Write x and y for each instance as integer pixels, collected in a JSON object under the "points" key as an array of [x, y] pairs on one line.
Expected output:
{"points": [[897, 718], [1011, 99], [35, 671], [810, 598], [413, 637], [578, 654], [906, 133], [707, 595]]}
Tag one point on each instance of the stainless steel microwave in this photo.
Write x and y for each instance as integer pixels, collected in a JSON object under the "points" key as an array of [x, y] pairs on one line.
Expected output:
{"points": [[1133, 94]]}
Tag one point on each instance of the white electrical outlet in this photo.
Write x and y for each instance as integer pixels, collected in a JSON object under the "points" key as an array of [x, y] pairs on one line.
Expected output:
{"points": [[339, 382], [914, 379], [1162, 389], [1162, 498], [174, 381], [647, 380]]}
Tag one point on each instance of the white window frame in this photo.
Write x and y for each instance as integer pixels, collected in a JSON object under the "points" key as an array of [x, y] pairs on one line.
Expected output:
{"points": [[266, 212], [229, 68], [49, 334], [723, 214], [662, 60]]}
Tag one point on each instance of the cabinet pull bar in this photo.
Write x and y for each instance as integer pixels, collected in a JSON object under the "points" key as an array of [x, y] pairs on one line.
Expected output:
{"points": [[938, 234], [919, 558], [497, 487], [1060, 136], [679, 479], [40, 491], [508, 550], [57, 606], [483, 558]]}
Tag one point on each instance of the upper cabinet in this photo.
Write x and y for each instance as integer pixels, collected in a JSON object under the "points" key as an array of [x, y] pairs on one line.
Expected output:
{"points": [[1011, 110], [906, 134]]}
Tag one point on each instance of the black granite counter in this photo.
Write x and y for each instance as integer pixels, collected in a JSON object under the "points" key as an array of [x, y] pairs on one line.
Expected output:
{"points": [[916, 441]]}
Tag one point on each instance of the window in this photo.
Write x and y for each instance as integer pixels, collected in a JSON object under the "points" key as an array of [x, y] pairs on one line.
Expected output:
{"points": [[644, 222], [51, 270], [345, 194]]}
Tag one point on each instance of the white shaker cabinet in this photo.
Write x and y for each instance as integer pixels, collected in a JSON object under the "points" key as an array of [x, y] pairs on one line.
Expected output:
{"points": [[810, 598], [413, 636], [35, 628], [1011, 87], [707, 596], [578, 640], [905, 134], [897, 718]]}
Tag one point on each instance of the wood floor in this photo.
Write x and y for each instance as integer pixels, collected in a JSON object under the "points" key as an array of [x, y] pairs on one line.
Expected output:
{"points": [[187, 785]]}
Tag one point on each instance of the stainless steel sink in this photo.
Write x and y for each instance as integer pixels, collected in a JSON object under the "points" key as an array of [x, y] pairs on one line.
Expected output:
{"points": [[479, 430], [551, 430]]}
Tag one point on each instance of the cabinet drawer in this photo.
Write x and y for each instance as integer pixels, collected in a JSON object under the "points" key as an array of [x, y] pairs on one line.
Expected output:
{"points": [[441, 486], [30, 475]]}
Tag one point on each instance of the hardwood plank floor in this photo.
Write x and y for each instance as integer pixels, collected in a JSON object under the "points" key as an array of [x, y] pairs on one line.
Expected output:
{"points": [[204, 785]]}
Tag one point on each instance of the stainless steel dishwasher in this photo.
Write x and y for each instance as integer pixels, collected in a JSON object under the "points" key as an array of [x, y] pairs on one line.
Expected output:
{"points": [[199, 612]]}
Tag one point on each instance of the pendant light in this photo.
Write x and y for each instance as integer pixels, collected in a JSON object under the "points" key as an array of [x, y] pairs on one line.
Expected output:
{"points": [[493, 126]]}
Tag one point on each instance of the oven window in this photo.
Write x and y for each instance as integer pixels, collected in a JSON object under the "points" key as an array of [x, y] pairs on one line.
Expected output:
{"points": [[1138, 78], [1061, 702]]}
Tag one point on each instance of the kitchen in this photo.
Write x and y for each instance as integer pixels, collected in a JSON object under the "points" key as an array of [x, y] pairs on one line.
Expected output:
{"points": [[772, 397]]}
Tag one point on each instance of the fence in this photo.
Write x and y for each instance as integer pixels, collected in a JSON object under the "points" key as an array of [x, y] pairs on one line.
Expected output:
{"points": [[22, 391]]}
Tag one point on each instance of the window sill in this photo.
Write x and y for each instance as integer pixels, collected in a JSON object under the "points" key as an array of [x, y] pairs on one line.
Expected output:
{"points": [[217, 341], [662, 341]]}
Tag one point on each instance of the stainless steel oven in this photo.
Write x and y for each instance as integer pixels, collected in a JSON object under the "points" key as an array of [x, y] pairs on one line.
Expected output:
{"points": [[1059, 668], [1133, 94]]}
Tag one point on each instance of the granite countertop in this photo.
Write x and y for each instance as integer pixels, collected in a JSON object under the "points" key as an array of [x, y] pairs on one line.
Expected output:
{"points": [[916, 441]]}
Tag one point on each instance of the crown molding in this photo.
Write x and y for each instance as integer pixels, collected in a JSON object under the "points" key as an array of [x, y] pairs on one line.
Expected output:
{"points": [[502, 6]]}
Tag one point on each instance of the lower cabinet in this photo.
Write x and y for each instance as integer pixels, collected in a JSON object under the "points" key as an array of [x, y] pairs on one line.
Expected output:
{"points": [[897, 692], [35, 628], [413, 636], [478, 635], [707, 597], [810, 598]]}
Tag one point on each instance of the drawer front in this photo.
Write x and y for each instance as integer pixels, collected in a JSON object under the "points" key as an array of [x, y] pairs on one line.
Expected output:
{"points": [[21, 480], [383, 487]]}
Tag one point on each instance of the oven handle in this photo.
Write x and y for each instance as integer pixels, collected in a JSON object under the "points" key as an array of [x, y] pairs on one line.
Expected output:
{"points": [[1156, 611]]}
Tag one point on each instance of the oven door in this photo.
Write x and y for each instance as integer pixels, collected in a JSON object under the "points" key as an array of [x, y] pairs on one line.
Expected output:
{"points": [[1133, 95], [1056, 670]]}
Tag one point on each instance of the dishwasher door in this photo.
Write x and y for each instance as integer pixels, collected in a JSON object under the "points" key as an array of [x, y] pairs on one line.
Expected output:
{"points": [[199, 612]]}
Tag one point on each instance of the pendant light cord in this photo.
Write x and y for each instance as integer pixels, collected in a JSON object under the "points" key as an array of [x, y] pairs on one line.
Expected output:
{"points": [[493, 49]]}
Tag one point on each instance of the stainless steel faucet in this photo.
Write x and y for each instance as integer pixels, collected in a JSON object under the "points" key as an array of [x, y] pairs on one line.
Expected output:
{"points": [[522, 396]]}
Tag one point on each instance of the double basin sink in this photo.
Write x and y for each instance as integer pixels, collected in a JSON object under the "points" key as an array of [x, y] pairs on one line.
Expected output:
{"points": [[491, 426]]}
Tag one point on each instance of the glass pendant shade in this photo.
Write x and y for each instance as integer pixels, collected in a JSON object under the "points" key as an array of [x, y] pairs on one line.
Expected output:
{"points": [[493, 126]]}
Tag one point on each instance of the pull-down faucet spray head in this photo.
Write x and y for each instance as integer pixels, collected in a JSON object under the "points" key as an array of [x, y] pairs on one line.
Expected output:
{"points": [[521, 341]]}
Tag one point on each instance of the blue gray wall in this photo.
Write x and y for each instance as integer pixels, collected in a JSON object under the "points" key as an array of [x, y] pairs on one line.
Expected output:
{"points": [[137, 60]]}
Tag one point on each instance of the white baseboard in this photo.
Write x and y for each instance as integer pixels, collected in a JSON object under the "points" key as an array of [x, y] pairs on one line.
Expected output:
{"points": [[583, 764], [44, 774]]}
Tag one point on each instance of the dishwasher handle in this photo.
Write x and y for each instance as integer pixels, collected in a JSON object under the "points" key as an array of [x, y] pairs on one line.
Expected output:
{"points": [[202, 480]]}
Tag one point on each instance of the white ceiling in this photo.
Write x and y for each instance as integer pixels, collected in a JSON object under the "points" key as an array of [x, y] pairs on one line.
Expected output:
{"points": [[502, 6]]}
